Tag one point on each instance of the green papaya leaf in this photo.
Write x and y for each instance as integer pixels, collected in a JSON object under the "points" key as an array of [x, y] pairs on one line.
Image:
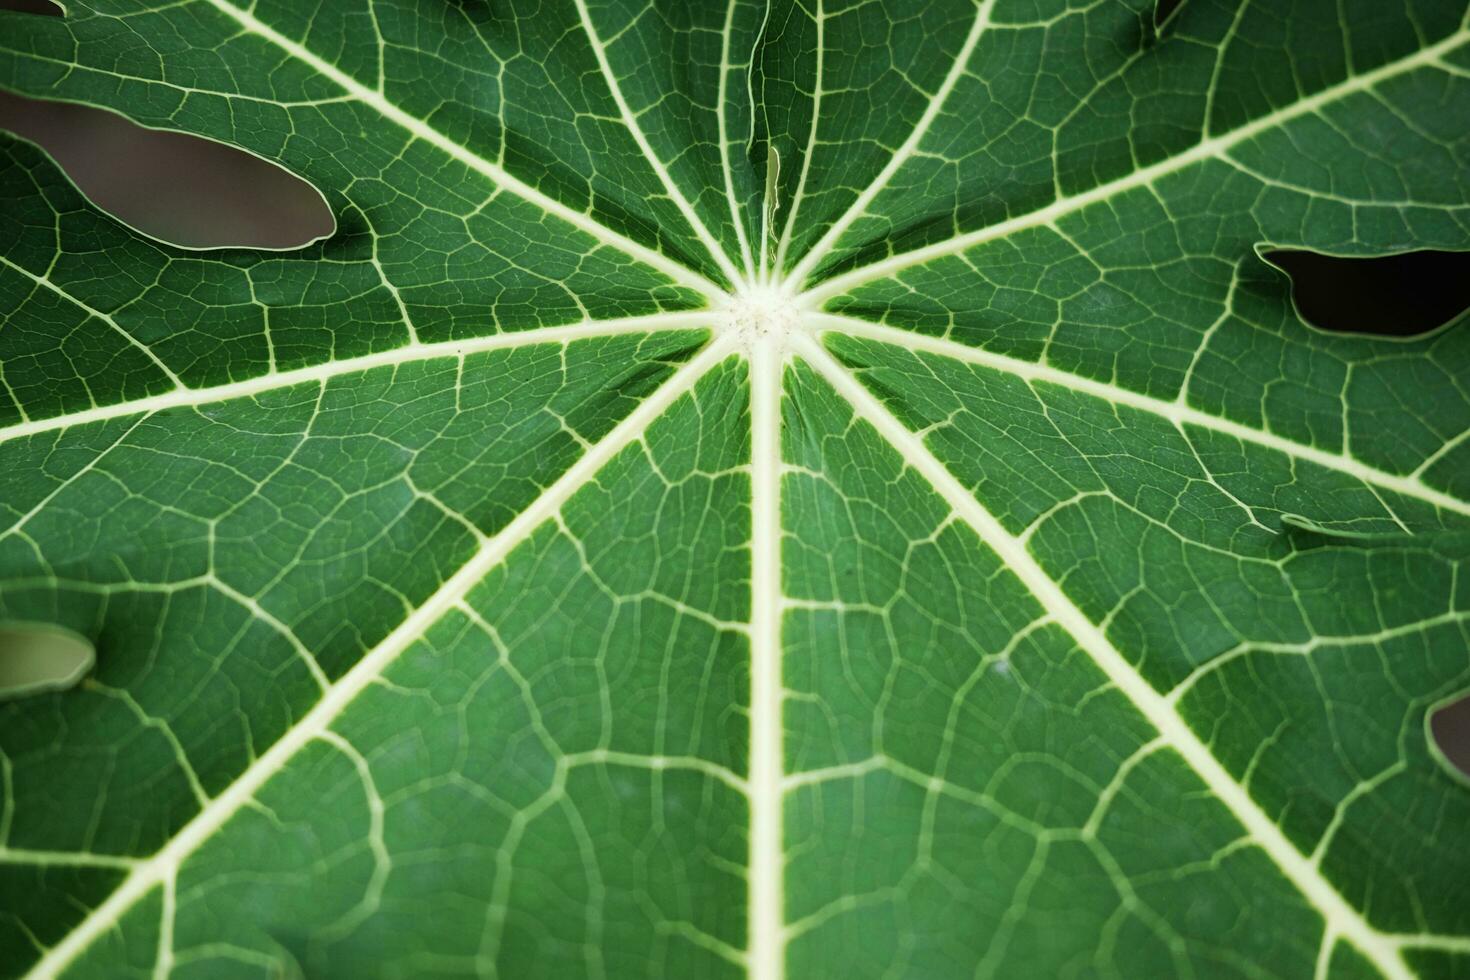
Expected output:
{"points": [[799, 488]]}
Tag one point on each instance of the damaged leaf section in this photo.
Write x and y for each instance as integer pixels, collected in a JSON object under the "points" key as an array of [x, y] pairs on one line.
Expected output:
{"points": [[1449, 730], [40, 657], [183, 190], [1404, 295]]}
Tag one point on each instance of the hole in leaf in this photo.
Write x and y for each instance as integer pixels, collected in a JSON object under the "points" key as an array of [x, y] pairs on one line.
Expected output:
{"points": [[184, 190], [1402, 295], [1164, 9], [1449, 728], [47, 7], [37, 657]]}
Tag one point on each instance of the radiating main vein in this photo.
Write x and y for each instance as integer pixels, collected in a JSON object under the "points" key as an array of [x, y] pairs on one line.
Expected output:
{"points": [[901, 156], [153, 871], [820, 18], [418, 128], [1177, 413], [1206, 149], [388, 358], [724, 95], [667, 179], [1341, 918]]}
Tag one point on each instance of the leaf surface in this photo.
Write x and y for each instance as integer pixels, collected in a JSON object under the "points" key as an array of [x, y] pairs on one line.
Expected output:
{"points": [[802, 489]]}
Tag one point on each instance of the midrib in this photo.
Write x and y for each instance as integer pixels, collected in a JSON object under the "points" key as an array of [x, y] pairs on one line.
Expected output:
{"points": [[1342, 920], [421, 130], [1206, 149], [766, 865], [150, 872]]}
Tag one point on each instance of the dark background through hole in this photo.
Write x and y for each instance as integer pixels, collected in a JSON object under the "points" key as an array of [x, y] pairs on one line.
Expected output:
{"points": [[182, 189], [196, 192], [1450, 727], [1388, 296]]}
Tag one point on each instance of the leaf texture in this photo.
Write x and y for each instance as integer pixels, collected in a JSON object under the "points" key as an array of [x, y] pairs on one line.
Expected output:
{"points": [[796, 488]]}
